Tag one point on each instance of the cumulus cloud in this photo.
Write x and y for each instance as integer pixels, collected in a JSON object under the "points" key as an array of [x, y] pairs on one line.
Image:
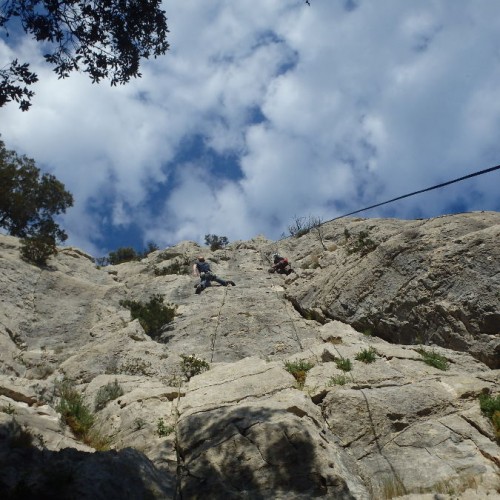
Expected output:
{"points": [[296, 110]]}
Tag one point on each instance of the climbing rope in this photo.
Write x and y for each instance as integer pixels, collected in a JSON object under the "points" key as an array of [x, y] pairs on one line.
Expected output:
{"points": [[285, 303], [437, 186], [481, 172], [213, 337]]}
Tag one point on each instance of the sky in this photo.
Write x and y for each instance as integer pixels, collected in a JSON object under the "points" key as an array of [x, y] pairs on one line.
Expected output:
{"points": [[264, 111]]}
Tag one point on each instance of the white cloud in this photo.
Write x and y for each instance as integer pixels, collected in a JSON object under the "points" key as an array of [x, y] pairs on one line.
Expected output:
{"points": [[360, 105]]}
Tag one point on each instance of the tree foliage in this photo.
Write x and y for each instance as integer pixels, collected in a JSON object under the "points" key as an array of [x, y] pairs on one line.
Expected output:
{"points": [[28, 203], [126, 254], [152, 315], [14, 83], [123, 254], [216, 242], [104, 38]]}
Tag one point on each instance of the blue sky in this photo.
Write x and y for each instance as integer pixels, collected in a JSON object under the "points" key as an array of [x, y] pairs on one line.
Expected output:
{"points": [[264, 110]]}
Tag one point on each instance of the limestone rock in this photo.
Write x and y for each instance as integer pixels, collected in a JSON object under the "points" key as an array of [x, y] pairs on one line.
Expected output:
{"points": [[431, 281], [244, 422], [244, 433]]}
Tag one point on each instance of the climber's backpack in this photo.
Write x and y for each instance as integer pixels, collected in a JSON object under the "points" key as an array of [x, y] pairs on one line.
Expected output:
{"points": [[203, 267]]}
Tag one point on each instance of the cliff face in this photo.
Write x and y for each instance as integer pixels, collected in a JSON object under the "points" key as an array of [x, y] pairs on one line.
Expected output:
{"points": [[391, 292], [433, 281]]}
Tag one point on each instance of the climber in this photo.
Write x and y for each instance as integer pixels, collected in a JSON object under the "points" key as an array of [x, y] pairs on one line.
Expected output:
{"points": [[281, 265], [202, 269]]}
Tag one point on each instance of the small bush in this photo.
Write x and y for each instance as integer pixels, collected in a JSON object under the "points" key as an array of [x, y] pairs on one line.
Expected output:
{"points": [[367, 355], [134, 366], [216, 242], [75, 413], [299, 370], [123, 254], [151, 247], [338, 380], [139, 423], [78, 417], [362, 245], [177, 267], [495, 420], [37, 249], [334, 340], [9, 409], [153, 315], [107, 393], [490, 406], [126, 254], [97, 440], [191, 366], [168, 255], [432, 358], [344, 364], [162, 429]]}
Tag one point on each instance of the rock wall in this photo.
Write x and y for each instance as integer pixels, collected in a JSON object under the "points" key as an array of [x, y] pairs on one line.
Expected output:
{"points": [[432, 281], [246, 427]]}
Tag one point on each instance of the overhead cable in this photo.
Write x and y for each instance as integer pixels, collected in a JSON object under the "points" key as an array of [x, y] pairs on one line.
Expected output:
{"points": [[481, 172]]}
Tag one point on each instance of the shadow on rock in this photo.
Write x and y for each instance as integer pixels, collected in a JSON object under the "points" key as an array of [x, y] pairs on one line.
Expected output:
{"points": [[30, 471], [255, 453]]}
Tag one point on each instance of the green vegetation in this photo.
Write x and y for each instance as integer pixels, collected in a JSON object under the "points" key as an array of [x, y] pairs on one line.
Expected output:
{"points": [[37, 249], [362, 245], [123, 254], [9, 409], [107, 42], [107, 393], [78, 416], [162, 429], [28, 203], [177, 267], [432, 358], [126, 254], [134, 366], [216, 242], [152, 315], [344, 364], [299, 370], [334, 340], [191, 365], [167, 255], [338, 380], [139, 423], [490, 406], [367, 355]]}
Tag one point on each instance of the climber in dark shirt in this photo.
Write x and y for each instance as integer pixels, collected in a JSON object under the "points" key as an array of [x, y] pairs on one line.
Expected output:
{"points": [[280, 265], [202, 269]]}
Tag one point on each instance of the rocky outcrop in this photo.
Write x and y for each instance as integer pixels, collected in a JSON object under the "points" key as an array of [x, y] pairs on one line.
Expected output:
{"points": [[432, 281], [285, 404]]}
